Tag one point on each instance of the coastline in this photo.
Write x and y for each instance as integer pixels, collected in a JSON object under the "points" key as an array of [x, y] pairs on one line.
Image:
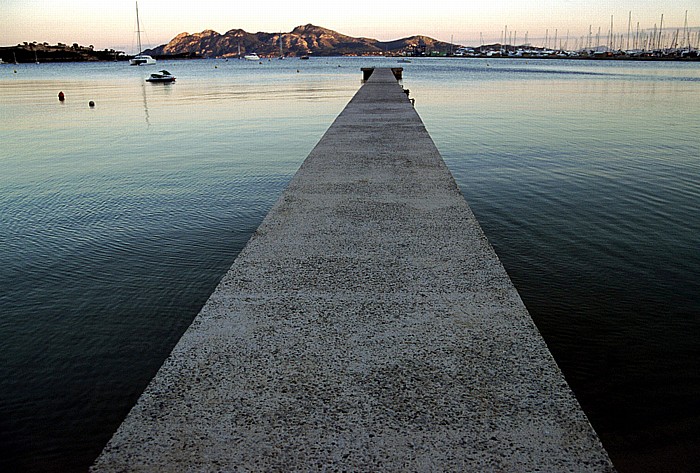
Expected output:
{"points": [[43, 53]]}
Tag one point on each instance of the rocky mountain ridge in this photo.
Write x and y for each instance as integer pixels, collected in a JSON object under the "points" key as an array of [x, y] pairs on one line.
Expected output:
{"points": [[302, 40]]}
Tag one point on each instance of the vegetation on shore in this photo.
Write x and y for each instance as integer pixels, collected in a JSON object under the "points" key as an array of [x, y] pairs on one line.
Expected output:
{"points": [[44, 52]]}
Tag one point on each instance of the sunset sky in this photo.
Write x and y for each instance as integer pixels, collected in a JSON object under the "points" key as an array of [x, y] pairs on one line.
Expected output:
{"points": [[112, 24]]}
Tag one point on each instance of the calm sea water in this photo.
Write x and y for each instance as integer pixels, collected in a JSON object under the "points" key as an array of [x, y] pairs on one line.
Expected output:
{"points": [[116, 223]]}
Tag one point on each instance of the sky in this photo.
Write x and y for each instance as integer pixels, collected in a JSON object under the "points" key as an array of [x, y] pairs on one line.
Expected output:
{"points": [[112, 23]]}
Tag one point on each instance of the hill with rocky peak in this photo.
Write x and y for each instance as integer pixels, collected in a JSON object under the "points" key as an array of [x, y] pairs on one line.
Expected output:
{"points": [[302, 40]]}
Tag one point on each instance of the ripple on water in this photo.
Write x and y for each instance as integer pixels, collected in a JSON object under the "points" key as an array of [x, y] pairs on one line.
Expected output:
{"points": [[117, 222]]}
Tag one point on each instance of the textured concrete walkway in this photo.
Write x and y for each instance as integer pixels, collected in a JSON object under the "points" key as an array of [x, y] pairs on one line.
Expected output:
{"points": [[367, 326]]}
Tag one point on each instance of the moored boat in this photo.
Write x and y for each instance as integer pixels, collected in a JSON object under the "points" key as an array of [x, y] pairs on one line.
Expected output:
{"points": [[251, 57], [140, 59], [161, 76]]}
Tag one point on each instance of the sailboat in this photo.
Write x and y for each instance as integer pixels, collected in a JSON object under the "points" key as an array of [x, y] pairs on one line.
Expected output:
{"points": [[140, 59]]}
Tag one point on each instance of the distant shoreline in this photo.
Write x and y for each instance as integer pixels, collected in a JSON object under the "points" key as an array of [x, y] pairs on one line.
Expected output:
{"points": [[42, 53], [180, 57]]}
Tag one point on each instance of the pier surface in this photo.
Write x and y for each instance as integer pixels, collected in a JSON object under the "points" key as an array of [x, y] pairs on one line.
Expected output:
{"points": [[368, 325]]}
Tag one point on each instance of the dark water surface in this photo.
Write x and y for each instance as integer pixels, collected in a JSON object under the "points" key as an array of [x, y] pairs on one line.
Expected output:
{"points": [[589, 189], [117, 222]]}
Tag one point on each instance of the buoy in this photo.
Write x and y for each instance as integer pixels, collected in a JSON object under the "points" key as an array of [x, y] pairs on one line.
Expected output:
{"points": [[61, 97], [91, 104]]}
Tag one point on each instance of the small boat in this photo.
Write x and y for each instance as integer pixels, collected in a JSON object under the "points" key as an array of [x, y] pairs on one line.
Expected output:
{"points": [[161, 76], [251, 57], [304, 57], [142, 60], [404, 61]]}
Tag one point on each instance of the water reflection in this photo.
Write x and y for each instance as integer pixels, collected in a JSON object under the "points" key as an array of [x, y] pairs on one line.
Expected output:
{"points": [[145, 105], [111, 241]]}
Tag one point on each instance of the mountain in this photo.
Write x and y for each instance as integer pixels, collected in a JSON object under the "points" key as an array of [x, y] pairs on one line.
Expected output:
{"points": [[306, 39]]}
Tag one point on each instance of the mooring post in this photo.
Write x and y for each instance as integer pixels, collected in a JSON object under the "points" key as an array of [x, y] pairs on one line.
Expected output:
{"points": [[398, 72]]}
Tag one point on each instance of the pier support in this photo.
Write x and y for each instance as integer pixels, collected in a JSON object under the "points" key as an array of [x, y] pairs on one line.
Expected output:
{"points": [[368, 325]]}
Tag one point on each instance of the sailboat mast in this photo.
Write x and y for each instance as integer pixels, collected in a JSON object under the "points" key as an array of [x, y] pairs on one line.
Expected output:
{"points": [[629, 28], [138, 27], [611, 38]]}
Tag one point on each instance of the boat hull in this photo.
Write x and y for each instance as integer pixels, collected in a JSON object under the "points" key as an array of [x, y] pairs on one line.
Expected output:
{"points": [[142, 60]]}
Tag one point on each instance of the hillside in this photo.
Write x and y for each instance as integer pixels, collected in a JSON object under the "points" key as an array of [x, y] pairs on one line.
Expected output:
{"points": [[44, 52], [307, 39]]}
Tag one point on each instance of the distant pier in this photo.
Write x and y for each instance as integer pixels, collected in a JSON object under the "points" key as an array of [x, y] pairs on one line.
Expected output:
{"points": [[368, 325]]}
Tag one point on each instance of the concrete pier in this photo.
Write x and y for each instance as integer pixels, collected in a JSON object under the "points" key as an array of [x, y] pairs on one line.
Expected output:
{"points": [[368, 325]]}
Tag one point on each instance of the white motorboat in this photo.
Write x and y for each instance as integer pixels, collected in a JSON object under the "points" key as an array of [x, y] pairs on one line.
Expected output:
{"points": [[251, 57], [161, 76]]}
